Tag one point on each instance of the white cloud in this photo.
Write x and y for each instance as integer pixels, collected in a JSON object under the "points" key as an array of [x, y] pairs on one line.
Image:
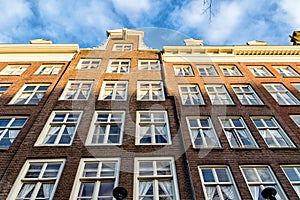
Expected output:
{"points": [[139, 12], [80, 20], [14, 14], [290, 13]]}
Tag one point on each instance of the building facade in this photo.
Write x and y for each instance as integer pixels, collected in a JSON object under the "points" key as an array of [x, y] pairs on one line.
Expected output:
{"points": [[187, 122]]}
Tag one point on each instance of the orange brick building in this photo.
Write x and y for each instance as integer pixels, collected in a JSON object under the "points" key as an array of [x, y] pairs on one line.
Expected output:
{"points": [[187, 122]]}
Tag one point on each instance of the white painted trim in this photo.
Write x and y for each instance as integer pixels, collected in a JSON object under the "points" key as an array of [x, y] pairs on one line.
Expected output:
{"points": [[18, 185]]}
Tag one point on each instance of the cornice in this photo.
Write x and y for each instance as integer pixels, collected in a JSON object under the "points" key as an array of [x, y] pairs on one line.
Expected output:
{"points": [[38, 48], [232, 50]]}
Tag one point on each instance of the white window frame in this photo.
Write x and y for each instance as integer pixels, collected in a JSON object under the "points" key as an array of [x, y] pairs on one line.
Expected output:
{"points": [[296, 119], [246, 97], [78, 90], [32, 94], [266, 129], [231, 70], [62, 128], [294, 183], [107, 124], [21, 177], [297, 86], [286, 71], [149, 65], [14, 69], [236, 137], [119, 67], [209, 70], [114, 90], [122, 47], [260, 71], [183, 70], [190, 94], [52, 69], [282, 96], [218, 94], [89, 63], [202, 132], [6, 129], [155, 178], [2, 87], [217, 183], [150, 90], [262, 183], [152, 125], [95, 179]]}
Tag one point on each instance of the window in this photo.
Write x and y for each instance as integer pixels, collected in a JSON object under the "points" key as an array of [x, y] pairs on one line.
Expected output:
{"points": [[3, 88], [218, 95], [114, 90], [190, 95], [260, 177], [96, 178], [260, 71], [202, 132], [122, 47], [60, 128], [296, 119], [282, 95], [271, 132], [49, 69], [183, 70], [230, 70], [149, 65], [286, 71], [88, 63], [77, 90], [297, 86], [10, 127], [237, 132], [150, 91], [107, 128], [207, 70], [37, 180], [118, 66], [152, 128], [293, 174], [246, 95], [218, 183], [155, 178], [30, 94], [14, 70]]}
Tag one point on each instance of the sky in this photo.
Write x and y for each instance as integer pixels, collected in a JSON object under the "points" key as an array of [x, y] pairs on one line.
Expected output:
{"points": [[165, 22]]}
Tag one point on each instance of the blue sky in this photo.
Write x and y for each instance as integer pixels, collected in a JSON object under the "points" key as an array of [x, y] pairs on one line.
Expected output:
{"points": [[166, 22]]}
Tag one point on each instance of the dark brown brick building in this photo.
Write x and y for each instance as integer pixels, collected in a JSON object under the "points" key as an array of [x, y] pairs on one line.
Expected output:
{"points": [[187, 122]]}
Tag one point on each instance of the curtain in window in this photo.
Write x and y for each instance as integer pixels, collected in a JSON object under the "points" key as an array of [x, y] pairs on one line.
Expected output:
{"points": [[228, 192], [279, 138], [145, 134], [244, 138], [22, 98], [157, 94], [108, 94], [47, 189], [12, 134], [255, 191], [166, 187], [26, 189], [144, 187], [52, 134], [162, 131], [210, 192], [144, 94]]}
